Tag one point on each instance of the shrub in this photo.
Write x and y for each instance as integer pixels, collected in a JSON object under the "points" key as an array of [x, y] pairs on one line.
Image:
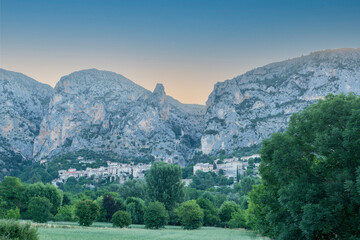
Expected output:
{"points": [[121, 219], [13, 214], [136, 208], [226, 210], [190, 214], [65, 213], [39, 209], [14, 230], [211, 216], [238, 219], [86, 211], [155, 215]]}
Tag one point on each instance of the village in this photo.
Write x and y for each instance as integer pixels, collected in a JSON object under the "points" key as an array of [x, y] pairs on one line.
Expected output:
{"points": [[120, 172]]}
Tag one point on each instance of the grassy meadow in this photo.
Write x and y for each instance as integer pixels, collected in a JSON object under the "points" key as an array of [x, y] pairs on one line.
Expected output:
{"points": [[70, 231]]}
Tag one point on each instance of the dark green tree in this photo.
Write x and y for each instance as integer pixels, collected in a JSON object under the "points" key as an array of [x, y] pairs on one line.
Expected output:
{"points": [[10, 192], [121, 219], [211, 215], [226, 211], [155, 215], [86, 211], [190, 215], [40, 190], [39, 209], [311, 175], [136, 208], [164, 184], [110, 206]]}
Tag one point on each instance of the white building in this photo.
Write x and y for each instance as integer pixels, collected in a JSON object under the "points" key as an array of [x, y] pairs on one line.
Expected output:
{"points": [[205, 167]]}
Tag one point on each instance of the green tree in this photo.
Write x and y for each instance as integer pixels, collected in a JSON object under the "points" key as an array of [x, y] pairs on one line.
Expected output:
{"points": [[40, 190], [121, 219], [133, 188], [226, 211], [238, 219], [39, 209], [190, 215], [66, 213], [10, 191], [164, 184], [86, 211], [13, 214], [311, 175], [155, 215], [211, 216], [136, 208]]}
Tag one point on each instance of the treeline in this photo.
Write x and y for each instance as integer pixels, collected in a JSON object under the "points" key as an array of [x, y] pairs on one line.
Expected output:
{"points": [[161, 199]]}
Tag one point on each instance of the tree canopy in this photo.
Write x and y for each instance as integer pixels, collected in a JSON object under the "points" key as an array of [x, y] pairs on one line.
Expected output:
{"points": [[164, 184], [311, 175]]}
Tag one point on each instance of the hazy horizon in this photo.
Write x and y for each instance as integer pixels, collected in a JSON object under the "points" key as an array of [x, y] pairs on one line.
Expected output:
{"points": [[186, 45]]}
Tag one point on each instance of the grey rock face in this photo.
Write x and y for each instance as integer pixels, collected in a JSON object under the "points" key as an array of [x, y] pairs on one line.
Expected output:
{"points": [[23, 104], [104, 111], [243, 111]]}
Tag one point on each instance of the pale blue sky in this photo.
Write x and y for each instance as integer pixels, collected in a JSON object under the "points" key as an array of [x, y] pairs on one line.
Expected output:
{"points": [[186, 45]]}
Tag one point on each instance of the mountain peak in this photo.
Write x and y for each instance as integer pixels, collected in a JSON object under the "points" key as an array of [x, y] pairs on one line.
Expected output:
{"points": [[159, 89]]}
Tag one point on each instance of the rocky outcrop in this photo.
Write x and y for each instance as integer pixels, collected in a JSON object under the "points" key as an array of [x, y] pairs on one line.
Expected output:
{"points": [[104, 111], [23, 103], [243, 111]]}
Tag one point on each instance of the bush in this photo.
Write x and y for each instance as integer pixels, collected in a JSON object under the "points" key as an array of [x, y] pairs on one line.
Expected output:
{"points": [[226, 211], [238, 219], [155, 215], [13, 214], [65, 213], [121, 219], [190, 215], [136, 208], [39, 209], [86, 211], [14, 230], [211, 216]]}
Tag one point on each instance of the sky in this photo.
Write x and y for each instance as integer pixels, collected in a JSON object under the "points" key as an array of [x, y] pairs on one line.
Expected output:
{"points": [[188, 45]]}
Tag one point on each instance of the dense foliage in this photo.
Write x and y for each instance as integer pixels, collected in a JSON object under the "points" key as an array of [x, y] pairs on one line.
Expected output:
{"points": [[39, 209], [86, 211], [121, 219], [164, 184], [155, 215], [15, 230], [311, 175], [190, 215]]}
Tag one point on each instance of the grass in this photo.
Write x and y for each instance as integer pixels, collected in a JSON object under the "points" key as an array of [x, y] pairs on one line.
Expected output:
{"points": [[71, 231]]}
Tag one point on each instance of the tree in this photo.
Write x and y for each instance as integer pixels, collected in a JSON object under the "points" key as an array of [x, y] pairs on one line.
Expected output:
{"points": [[211, 216], [190, 215], [226, 210], [86, 211], [66, 213], [10, 191], [238, 219], [39, 209], [110, 206], [311, 175], [133, 188], [40, 190], [155, 215], [136, 208], [164, 184], [121, 219]]}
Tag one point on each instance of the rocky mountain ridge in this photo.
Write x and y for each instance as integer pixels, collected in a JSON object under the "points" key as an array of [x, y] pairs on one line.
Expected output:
{"points": [[243, 111], [104, 111]]}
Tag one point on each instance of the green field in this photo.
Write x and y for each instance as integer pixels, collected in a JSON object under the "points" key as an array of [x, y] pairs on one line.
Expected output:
{"points": [[69, 231]]}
